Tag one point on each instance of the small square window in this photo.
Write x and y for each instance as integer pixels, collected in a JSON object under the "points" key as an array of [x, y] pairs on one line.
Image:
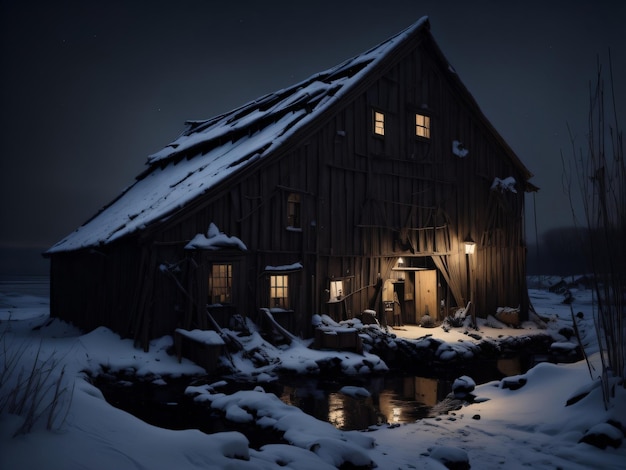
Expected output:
{"points": [[379, 123], [422, 126]]}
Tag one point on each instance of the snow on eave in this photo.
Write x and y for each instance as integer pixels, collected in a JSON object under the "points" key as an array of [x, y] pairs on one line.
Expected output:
{"points": [[284, 268], [208, 152]]}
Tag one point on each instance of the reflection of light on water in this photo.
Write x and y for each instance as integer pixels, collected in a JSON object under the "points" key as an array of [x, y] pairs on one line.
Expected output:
{"points": [[288, 396], [336, 412], [424, 390], [396, 400], [510, 366]]}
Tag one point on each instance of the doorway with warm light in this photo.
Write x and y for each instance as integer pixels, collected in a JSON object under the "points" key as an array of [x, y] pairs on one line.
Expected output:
{"points": [[413, 292]]}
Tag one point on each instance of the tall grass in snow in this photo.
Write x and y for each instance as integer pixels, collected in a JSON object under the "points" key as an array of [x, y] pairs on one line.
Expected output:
{"points": [[601, 175], [32, 385]]}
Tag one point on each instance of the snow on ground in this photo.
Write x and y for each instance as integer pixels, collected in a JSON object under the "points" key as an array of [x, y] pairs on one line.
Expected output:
{"points": [[519, 422]]}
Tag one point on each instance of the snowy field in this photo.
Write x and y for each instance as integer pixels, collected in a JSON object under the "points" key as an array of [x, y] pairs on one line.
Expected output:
{"points": [[519, 422]]}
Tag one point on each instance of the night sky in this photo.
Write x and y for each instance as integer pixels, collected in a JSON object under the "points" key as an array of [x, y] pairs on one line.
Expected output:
{"points": [[90, 88]]}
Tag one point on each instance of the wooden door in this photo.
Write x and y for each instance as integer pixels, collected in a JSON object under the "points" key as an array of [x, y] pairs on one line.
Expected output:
{"points": [[425, 294]]}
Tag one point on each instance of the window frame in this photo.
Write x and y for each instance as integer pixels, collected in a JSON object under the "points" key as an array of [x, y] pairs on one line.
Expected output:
{"points": [[425, 127], [375, 123], [279, 301], [225, 287], [294, 211]]}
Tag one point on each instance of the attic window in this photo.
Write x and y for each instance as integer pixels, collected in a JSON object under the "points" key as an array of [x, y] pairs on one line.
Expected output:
{"points": [[379, 123], [422, 126], [293, 211]]}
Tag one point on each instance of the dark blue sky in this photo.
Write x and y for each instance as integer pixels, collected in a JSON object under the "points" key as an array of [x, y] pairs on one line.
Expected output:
{"points": [[90, 88]]}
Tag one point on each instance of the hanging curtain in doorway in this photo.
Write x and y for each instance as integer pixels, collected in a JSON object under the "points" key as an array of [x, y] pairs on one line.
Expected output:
{"points": [[449, 266]]}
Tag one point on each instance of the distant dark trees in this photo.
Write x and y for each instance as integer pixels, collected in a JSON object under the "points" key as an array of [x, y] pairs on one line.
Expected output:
{"points": [[561, 251], [571, 251]]}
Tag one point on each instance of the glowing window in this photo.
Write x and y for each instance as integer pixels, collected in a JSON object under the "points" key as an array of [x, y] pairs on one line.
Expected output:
{"points": [[293, 211], [220, 284], [336, 290], [379, 123], [422, 126], [279, 291]]}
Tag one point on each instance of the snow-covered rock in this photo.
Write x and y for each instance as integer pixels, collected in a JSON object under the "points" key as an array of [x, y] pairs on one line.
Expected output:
{"points": [[463, 386], [603, 435], [451, 457]]}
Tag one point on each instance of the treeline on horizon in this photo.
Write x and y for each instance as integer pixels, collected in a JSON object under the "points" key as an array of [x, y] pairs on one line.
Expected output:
{"points": [[565, 251]]}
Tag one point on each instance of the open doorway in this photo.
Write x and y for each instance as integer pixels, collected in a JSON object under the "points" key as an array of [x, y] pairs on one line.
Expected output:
{"points": [[413, 285]]}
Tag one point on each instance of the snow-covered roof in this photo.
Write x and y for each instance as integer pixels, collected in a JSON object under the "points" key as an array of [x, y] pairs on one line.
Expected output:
{"points": [[210, 151]]}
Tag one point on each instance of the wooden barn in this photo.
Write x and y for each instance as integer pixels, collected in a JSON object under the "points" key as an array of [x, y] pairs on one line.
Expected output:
{"points": [[375, 185]]}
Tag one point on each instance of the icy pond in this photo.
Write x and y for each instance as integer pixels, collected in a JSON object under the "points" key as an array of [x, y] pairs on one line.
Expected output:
{"points": [[394, 398]]}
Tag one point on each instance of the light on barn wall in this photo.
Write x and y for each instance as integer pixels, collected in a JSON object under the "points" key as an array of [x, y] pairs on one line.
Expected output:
{"points": [[470, 246]]}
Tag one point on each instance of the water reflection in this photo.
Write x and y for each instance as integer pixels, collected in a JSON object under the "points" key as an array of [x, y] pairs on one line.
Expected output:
{"points": [[510, 366], [424, 390], [394, 399]]}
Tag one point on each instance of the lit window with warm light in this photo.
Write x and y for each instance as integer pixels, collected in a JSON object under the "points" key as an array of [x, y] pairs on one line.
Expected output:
{"points": [[220, 284], [336, 290], [379, 123], [422, 126], [278, 291]]}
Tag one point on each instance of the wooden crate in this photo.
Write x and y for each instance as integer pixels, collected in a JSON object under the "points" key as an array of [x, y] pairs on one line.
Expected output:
{"points": [[203, 347], [340, 340]]}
